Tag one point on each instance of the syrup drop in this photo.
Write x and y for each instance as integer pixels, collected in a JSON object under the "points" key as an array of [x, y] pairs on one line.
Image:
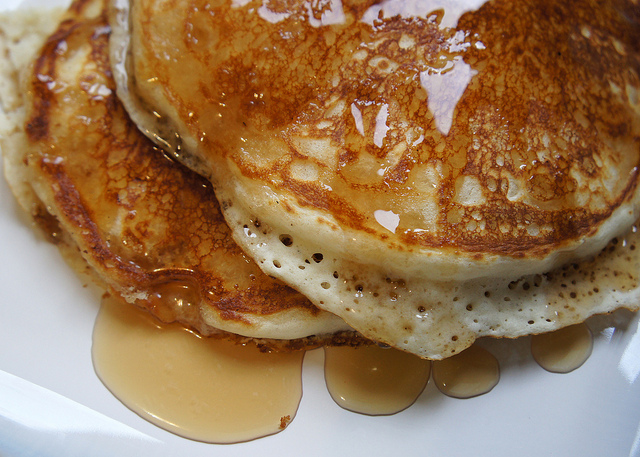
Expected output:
{"points": [[564, 350], [171, 298], [372, 380], [204, 389], [475, 371]]}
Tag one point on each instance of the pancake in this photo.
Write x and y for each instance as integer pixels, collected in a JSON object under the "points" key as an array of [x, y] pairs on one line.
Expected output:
{"points": [[429, 172], [148, 229]]}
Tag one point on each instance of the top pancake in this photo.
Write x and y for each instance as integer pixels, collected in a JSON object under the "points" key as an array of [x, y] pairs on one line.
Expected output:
{"points": [[150, 229], [464, 145], [397, 142]]}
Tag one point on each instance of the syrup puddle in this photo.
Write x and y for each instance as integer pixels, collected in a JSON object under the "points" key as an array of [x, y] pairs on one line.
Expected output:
{"points": [[475, 371], [204, 389], [564, 350], [372, 380], [216, 391]]}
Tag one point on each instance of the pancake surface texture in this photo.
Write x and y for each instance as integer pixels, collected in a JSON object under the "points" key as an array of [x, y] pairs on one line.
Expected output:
{"points": [[422, 170], [149, 229]]}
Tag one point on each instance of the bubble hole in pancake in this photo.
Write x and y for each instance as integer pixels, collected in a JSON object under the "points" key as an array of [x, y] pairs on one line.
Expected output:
{"points": [[430, 173], [149, 229]]}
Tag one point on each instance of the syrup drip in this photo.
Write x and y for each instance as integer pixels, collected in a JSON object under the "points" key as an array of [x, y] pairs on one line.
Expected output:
{"points": [[473, 372], [372, 380], [200, 388], [564, 350]]}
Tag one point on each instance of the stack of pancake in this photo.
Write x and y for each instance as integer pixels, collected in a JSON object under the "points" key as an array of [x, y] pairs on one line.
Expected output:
{"points": [[308, 173]]}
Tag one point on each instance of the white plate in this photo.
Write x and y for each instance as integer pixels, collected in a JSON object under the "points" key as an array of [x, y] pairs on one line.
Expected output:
{"points": [[52, 403]]}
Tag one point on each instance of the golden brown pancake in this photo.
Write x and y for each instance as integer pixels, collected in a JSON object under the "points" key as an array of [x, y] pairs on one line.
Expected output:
{"points": [[149, 229], [408, 166]]}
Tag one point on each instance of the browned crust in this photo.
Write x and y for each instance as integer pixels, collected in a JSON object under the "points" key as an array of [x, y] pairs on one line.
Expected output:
{"points": [[528, 85]]}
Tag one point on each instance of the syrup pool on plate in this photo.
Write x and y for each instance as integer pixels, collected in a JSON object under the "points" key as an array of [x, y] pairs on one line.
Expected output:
{"points": [[374, 380], [564, 350], [217, 391], [204, 389], [474, 371]]}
